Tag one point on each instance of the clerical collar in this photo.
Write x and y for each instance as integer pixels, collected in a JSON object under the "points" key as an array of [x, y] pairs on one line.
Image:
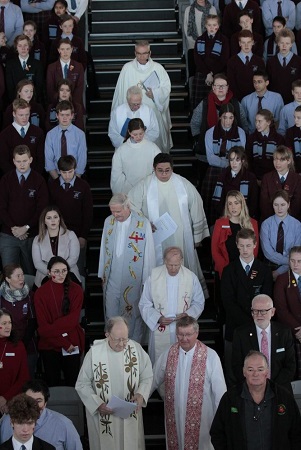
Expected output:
{"points": [[143, 67]]}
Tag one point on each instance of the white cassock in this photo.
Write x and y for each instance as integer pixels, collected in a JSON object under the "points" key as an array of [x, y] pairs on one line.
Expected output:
{"points": [[131, 163], [214, 389], [86, 389], [134, 73], [119, 120], [151, 315], [181, 200]]}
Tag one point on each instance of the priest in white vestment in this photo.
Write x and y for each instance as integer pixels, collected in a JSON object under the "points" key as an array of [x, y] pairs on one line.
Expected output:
{"points": [[194, 385], [133, 108], [155, 84], [170, 293], [115, 366], [164, 191], [127, 257]]}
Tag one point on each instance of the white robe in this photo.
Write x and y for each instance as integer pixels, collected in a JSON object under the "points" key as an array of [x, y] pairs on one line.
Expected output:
{"points": [[86, 390], [132, 74], [123, 112], [150, 315], [214, 388], [131, 163], [168, 202]]}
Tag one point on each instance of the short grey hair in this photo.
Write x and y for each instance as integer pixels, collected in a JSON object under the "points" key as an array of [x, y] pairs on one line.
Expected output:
{"points": [[264, 297], [113, 321], [133, 90], [186, 322], [256, 353], [142, 43], [174, 251], [120, 199]]}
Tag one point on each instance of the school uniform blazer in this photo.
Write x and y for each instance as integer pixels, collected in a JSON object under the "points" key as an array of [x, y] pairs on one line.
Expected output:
{"points": [[38, 444], [238, 290], [75, 74], [283, 361], [287, 300], [15, 73]]}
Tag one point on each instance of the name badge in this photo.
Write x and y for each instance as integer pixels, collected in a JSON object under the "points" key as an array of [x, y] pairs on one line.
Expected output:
{"points": [[10, 354], [65, 334], [225, 226], [279, 350]]}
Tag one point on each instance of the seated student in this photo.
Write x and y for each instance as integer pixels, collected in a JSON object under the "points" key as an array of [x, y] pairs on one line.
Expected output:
{"points": [[261, 98], [282, 177], [65, 67], [211, 53], [236, 216], [23, 66], [279, 233], [64, 92], [236, 177], [265, 334], [51, 28], [65, 139], [66, 23], [24, 195], [270, 45], [26, 91], [285, 67], [245, 22], [241, 67], [231, 13], [37, 49], [22, 132], [241, 280], [194, 21], [24, 412], [262, 143], [65, 437], [73, 196], [287, 119], [271, 9], [218, 142], [293, 138]]}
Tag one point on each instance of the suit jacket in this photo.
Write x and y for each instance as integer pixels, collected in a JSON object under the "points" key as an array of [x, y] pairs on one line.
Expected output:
{"points": [[283, 361], [239, 289], [15, 73], [75, 74], [38, 444]]}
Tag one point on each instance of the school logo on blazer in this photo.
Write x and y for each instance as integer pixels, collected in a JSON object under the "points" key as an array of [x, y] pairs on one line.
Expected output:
{"points": [[31, 193], [33, 139], [76, 195]]}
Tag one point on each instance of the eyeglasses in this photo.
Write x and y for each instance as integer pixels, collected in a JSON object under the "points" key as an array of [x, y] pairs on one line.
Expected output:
{"points": [[262, 312], [59, 272], [161, 171], [187, 335], [119, 340], [220, 86], [142, 54]]}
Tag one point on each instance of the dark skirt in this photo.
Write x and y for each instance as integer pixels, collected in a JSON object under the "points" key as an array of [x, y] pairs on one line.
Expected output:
{"points": [[208, 186], [200, 89]]}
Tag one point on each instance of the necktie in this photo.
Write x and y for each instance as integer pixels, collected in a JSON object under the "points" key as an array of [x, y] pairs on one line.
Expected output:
{"points": [[264, 347], [259, 103], [23, 447], [247, 60], [280, 238], [279, 9], [67, 186], [284, 62], [2, 25], [63, 144], [247, 269], [24, 65], [22, 132], [65, 70], [22, 180], [282, 180], [299, 284], [73, 4], [240, 5]]}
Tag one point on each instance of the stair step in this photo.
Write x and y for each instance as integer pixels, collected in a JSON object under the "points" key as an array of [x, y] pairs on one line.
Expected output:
{"points": [[95, 35], [133, 4], [134, 27], [121, 49], [119, 15]]}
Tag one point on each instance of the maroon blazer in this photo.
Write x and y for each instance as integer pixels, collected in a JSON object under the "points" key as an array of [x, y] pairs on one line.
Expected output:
{"points": [[240, 75], [287, 300], [75, 74], [230, 17], [270, 184], [281, 78]]}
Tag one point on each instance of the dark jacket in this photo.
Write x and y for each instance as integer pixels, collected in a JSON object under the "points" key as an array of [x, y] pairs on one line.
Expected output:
{"points": [[38, 444]]}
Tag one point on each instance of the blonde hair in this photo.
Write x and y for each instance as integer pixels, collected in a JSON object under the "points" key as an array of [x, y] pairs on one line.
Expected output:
{"points": [[244, 218]]}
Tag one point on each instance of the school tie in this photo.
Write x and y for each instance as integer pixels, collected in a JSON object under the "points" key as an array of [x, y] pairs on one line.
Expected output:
{"points": [[24, 65], [2, 24], [284, 62], [279, 9], [247, 269], [282, 180], [264, 347], [22, 132], [63, 144], [65, 70], [247, 60], [259, 103], [240, 5], [67, 186], [22, 180], [73, 4], [280, 238], [299, 284], [23, 447]]}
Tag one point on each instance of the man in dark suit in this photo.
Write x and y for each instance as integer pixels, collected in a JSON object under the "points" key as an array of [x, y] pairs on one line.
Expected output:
{"points": [[241, 281], [24, 411], [280, 349]]}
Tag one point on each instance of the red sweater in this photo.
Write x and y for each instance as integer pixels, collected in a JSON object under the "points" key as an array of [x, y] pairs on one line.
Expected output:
{"points": [[55, 330], [15, 369]]}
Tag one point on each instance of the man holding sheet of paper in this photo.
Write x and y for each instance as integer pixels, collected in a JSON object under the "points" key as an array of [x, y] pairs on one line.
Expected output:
{"points": [[154, 81], [165, 192], [170, 293], [115, 366]]}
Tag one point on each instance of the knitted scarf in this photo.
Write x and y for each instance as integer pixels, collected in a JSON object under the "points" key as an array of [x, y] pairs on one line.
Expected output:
{"points": [[13, 295], [191, 29], [221, 137], [213, 104]]}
